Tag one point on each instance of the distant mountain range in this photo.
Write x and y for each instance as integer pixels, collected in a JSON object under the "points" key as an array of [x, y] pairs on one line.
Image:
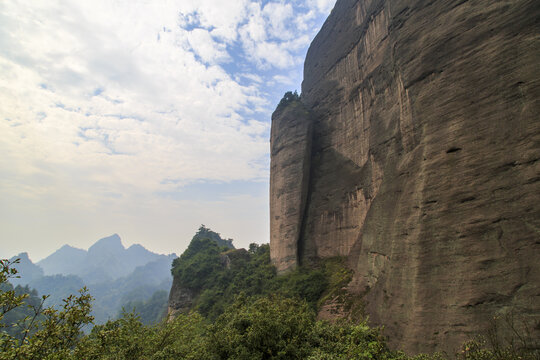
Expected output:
{"points": [[113, 274], [106, 260]]}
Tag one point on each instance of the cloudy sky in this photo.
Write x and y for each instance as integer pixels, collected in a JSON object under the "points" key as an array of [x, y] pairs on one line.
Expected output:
{"points": [[142, 118]]}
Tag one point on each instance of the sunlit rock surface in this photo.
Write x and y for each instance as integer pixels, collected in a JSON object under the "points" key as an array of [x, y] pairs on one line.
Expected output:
{"points": [[422, 150], [291, 155]]}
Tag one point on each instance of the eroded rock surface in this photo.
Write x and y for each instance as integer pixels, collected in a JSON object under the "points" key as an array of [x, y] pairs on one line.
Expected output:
{"points": [[180, 299], [424, 165], [290, 144]]}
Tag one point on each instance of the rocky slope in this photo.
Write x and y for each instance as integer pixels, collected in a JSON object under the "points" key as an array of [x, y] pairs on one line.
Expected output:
{"points": [[422, 148]]}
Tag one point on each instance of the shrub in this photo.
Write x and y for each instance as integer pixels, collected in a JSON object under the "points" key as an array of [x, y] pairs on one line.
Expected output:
{"points": [[288, 98]]}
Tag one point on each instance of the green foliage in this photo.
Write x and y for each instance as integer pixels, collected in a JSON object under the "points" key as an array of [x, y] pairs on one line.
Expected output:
{"points": [[199, 265], [48, 333], [276, 327], [127, 338], [216, 276], [288, 98], [15, 321], [206, 233], [267, 328], [271, 327], [10, 300], [217, 273], [272, 318], [304, 283], [508, 338], [59, 332], [346, 340], [109, 295], [120, 339], [247, 272]]}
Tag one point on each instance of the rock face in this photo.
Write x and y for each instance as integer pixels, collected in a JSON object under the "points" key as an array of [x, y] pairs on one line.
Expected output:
{"points": [[422, 156], [180, 299], [290, 142]]}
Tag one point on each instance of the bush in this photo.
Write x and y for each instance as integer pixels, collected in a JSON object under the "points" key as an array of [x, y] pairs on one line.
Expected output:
{"points": [[288, 98], [267, 328], [198, 266]]}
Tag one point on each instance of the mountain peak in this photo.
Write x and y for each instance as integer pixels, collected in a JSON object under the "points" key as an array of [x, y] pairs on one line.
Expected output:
{"points": [[111, 243], [68, 249], [136, 247], [106, 258], [23, 256]]}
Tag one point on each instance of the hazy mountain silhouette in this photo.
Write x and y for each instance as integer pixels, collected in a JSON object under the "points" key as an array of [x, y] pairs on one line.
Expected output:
{"points": [[113, 274], [27, 270], [139, 285], [66, 260], [106, 260]]}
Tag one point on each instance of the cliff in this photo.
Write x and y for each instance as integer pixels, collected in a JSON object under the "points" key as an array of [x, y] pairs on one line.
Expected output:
{"points": [[416, 155], [290, 142]]}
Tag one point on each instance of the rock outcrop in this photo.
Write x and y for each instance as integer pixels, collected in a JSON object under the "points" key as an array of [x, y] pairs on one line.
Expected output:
{"points": [[419, 160], [290, 162], [180, 299]]}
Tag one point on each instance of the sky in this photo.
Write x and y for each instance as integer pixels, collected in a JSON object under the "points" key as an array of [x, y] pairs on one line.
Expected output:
{"points": [[142, 118]]}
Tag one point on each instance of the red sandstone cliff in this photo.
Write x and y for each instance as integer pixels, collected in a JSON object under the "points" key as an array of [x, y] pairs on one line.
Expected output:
{"points": [[419, 161]]}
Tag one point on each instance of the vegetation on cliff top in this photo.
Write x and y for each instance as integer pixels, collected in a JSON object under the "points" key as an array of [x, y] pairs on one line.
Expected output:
{"points": [[288, 98], [216, 274]]}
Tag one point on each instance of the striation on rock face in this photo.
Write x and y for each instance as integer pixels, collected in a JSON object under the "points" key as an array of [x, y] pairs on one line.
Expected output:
{"points": [[422, 164], [290, 144]]}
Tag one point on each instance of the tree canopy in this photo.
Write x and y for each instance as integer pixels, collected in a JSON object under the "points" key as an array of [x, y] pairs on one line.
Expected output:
{"points": [[260, 316]]}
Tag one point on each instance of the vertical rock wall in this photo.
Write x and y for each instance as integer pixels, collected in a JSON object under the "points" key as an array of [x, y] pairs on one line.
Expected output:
{"points": [[290, 144], [425, 164], [180, 299]]}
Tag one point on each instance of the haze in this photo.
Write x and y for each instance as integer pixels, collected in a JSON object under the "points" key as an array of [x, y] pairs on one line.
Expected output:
{"points": [[142, 119]]}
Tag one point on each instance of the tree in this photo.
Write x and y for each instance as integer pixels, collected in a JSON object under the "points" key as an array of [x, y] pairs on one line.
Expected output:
{"points": [[267, 328], [47, 334]]}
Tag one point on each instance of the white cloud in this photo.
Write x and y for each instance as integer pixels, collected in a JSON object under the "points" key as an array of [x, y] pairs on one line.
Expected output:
{"points": [[278, 17], [322, 6], [101, 102], [253, 77], [206, 47], [255, 29], [222, 17], [283, 79], [274, 54]]}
